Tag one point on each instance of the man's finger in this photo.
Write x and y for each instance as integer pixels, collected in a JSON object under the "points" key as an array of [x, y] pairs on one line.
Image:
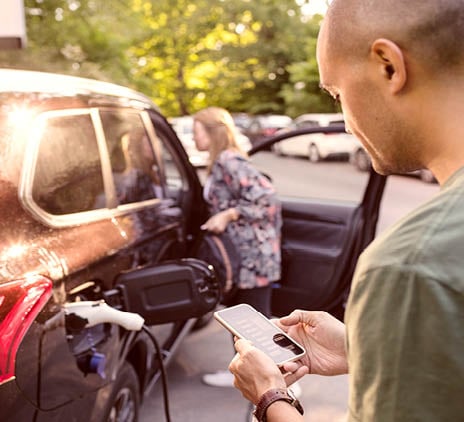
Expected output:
{"points": [[311, 318], [295, 376], [243, 346], [294, 318], [291, 366]]}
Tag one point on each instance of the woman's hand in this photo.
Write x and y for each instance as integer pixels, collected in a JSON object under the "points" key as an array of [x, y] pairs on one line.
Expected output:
{"points": [[218, 222], [323, 338]]}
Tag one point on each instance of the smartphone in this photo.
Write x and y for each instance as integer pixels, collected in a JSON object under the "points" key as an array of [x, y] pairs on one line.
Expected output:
{"points": [[246, 322]]}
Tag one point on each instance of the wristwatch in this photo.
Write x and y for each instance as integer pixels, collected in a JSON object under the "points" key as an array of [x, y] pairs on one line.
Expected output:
{"points": [[273, 395]]}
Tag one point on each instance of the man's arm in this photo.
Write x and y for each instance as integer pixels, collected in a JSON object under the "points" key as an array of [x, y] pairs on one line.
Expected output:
{"points": [[257, 374], [323, 337]]}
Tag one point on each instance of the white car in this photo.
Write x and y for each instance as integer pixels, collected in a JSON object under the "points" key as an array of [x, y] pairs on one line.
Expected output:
{"points": [[318, 146], [183, 126]]}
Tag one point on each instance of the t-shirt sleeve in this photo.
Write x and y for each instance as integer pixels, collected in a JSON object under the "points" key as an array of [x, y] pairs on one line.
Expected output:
{"points": [[405, 344]]}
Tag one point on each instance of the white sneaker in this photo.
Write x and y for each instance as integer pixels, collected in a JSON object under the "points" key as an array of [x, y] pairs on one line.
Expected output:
{"points": [[219, 379]]}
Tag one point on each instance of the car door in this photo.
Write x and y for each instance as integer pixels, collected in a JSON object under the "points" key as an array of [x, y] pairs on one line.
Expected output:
{"points": [[330, 215], [66, 224], [86, 178]]}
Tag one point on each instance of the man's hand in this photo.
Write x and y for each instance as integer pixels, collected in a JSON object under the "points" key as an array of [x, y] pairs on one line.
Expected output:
{"points": [[255, 372], [323, 338]]}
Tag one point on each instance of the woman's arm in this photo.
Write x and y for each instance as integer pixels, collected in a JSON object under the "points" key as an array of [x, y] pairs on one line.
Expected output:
{"points": [[218, 222]]}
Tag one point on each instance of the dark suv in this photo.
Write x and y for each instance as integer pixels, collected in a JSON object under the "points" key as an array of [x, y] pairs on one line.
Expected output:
{"points": [[99, 217], [98, 203]]}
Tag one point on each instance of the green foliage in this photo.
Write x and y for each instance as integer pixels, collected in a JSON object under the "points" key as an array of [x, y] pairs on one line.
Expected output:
{"points": [[302, 94], [80, 37], [240, 54]]}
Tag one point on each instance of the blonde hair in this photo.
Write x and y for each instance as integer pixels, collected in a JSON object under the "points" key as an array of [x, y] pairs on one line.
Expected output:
{"points": [[220, 126]]}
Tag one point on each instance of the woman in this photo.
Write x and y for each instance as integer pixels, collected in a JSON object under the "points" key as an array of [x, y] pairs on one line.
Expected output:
{"points": [[242, 202]]}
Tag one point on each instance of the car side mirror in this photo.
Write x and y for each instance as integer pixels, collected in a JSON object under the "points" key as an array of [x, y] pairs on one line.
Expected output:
{"points": [[170, 291]]}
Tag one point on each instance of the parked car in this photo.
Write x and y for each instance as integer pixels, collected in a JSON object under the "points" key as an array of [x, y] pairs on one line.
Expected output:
{"points": [[241, 120], [183, 126], [362, 161], [99, 203], [262, 126], [101, 210], [319, 146]]}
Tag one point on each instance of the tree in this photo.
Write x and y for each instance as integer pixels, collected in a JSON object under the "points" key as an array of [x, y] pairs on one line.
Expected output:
{"points": [[80, 37], [232, 53], [243, 55], [302, 94]]}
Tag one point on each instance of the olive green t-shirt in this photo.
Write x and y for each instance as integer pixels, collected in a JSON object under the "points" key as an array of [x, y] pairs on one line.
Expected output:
{"points": [[405, 317]]}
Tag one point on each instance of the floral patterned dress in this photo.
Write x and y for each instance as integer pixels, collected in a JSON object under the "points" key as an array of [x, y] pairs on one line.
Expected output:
{"points": [[235, 183]]}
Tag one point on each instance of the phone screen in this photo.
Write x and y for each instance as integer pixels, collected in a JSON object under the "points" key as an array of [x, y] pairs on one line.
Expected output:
{"points": [[245, 322]]}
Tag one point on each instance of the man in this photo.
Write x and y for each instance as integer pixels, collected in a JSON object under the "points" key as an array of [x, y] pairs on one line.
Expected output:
{"points": [[397, 68]]}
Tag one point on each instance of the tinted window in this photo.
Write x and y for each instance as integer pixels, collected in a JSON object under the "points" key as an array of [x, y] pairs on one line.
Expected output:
{"points": [[174, 180], [133, 162], [307, 123], [68, 175]]}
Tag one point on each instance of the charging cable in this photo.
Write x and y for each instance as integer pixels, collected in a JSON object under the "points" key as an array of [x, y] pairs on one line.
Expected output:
{"points": [[98, 312], [164, 380]]}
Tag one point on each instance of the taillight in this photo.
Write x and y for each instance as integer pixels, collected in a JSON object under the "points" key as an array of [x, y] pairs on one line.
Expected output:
{"points": [[20, 302]]}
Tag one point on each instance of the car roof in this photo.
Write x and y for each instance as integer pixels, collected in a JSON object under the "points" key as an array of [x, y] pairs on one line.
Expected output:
{"points": [[322, 119], [26, 81], [181, 119]]}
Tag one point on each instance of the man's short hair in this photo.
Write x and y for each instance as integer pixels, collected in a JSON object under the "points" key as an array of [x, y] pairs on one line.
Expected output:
{"points": [[431, 30]]}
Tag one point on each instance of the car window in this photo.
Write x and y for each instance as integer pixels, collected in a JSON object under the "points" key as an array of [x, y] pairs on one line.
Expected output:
{"points": [[307, 123], [174, 178], [68, 174], [135, 170], [337, 123]]}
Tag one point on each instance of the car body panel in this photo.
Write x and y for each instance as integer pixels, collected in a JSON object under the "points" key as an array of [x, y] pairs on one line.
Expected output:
{"points": [[318, 146], [328, 146], [63, 217]]}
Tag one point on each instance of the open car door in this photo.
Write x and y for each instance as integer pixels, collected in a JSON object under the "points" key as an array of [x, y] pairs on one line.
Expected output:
{"points": [[330, 213]]}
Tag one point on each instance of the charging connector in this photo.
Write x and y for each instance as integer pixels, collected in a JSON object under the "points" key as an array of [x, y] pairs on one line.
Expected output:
{"points": [[98, 312]]}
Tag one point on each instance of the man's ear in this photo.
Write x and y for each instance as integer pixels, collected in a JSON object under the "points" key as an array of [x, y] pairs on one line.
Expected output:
{"points": [[391, 64]]}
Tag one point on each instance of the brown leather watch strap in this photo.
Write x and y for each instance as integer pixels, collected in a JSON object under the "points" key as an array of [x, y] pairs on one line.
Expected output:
{"points": [[271, 396]]}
